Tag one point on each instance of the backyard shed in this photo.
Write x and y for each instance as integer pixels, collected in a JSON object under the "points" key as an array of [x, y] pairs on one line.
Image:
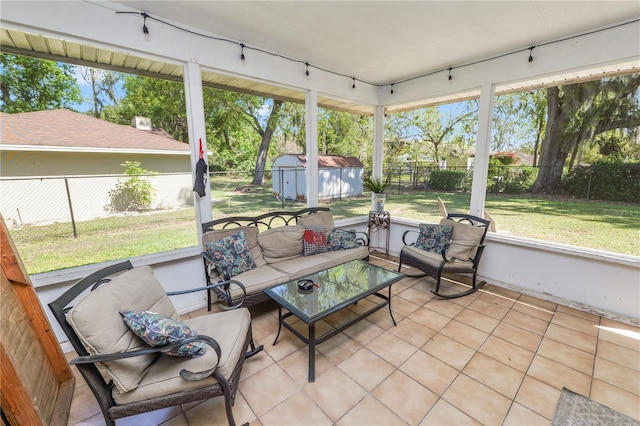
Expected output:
{"points": [[338, 177]]}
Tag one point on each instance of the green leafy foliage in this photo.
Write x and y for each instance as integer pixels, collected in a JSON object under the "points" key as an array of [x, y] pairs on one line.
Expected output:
{"points": [[579, 112], [31, 84], [504, 176], [375, 185], [605, 181], [161, 100], [133, 193], [447, 180]]}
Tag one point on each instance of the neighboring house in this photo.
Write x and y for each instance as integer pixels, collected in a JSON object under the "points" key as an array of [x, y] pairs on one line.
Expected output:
{"points": [[69, 162], [338, 176]]}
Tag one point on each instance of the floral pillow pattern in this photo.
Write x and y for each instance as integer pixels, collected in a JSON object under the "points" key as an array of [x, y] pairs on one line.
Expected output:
{"points": [[434, 237], [232, 251], [340, 239], [314, 240], [157, 330]]}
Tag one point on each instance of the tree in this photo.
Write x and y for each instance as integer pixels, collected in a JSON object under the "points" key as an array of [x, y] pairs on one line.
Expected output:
{"points": [[31, 84], [342, 133], [266, 132], [161, 100], [232, 139], [103, 87], [518, 121], [292, 133], [579, 112], [429, 131]]}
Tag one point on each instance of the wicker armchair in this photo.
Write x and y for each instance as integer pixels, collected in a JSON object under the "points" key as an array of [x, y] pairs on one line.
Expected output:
{"points": [[460, 255], [128, 376]]}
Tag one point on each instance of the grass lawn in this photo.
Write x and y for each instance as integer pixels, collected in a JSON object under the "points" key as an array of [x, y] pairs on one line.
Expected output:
{"points": [[600, 225]]}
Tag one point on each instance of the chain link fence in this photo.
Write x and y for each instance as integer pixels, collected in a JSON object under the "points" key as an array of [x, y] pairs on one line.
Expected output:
{"points": [[71, 216], [75, 202]]}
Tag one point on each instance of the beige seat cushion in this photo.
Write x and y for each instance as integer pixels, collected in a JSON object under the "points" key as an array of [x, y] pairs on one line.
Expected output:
{"points": [[281, 243], [250, 234], [299, 267], [465, 239], [434, 259], [256, 280], [101, 329], [228, 328], [324, 219]]}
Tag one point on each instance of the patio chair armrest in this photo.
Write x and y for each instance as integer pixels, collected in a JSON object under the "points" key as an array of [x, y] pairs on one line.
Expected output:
{"points": [[224, 285], [406, 234], [220, 266], [185, 374]]}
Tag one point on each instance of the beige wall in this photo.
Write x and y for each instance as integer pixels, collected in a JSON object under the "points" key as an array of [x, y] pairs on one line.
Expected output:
{"points": [[38, 187], [38, 163]]}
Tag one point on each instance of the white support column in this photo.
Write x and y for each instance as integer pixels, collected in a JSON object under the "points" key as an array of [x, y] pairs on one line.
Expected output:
{"points": [[378, 142], [483, 146], [197, 131], [311, 123]]}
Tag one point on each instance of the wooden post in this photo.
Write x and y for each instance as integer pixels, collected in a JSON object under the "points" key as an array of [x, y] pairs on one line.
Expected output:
{"points": [[37, 383]]}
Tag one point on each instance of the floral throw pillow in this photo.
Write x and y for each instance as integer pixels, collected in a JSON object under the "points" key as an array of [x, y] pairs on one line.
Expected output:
{"points": [[233, 251], [314, 240], [340, 239], [434, 237], [157, 330]]}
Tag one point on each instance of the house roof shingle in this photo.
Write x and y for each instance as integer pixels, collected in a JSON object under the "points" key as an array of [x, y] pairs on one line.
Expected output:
{"points": [[61, 128], [332, 161]]}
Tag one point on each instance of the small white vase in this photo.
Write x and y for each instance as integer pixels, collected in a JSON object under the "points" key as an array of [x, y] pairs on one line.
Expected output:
{"points": [[377, 202]]}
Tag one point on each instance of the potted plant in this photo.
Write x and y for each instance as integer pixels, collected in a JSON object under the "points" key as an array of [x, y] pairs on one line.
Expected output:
{"points": [[377, 188]]}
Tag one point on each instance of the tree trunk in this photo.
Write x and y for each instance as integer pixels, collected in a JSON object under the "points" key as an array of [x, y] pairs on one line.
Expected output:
{"points": [[552, 155], [261, 160], [538, 142]]}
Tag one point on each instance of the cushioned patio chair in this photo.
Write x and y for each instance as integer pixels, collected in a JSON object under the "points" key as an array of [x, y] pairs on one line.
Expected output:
{"points": [[137, 354], [454, 246]]}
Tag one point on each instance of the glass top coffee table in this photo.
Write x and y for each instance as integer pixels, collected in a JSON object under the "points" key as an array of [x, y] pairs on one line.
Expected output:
{"points": [[333, 289]]}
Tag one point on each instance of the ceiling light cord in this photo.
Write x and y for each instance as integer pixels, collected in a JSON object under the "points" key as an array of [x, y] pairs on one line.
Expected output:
{"points": [[145, 30]]}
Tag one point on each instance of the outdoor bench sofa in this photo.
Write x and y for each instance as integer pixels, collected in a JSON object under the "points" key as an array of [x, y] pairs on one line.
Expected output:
{"points": [[274, 248]]}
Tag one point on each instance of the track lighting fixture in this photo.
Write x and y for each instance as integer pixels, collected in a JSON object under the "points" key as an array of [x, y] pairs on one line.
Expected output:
{"points": [[307, 71], [392, 88], [531, 53], [242, 52], [450, 77], [353, 86]]}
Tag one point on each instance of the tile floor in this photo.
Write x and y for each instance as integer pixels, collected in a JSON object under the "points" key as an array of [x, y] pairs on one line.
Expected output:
{"points": [[494, 357]]}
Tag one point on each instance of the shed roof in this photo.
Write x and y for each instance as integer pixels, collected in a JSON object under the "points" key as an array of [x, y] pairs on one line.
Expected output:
{"points": [[63, 129], [331, 161]]}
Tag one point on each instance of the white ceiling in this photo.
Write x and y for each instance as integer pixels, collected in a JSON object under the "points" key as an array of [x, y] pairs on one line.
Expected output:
{"points": [[383, 42]]}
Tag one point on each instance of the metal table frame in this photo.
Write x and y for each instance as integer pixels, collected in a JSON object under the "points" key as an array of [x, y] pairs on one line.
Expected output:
{"points": [[312, 340]]}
